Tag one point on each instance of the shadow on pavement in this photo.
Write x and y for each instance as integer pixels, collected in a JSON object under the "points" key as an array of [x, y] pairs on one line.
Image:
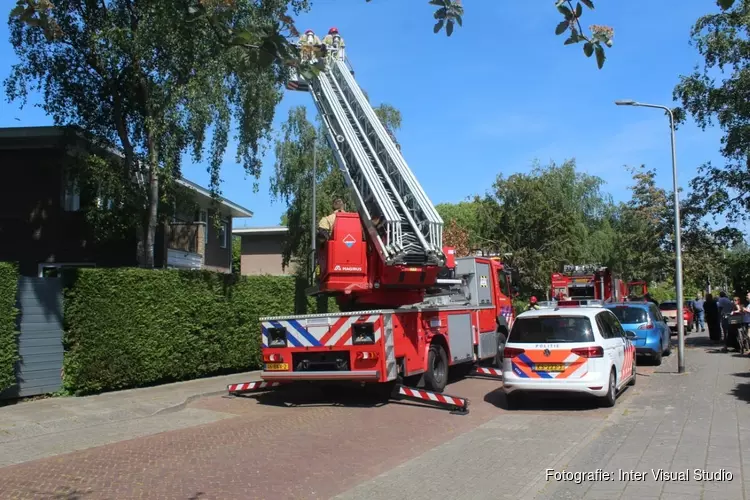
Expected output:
{"points": [[702, 341], [545, 402], [322, 395], [742, 392]]}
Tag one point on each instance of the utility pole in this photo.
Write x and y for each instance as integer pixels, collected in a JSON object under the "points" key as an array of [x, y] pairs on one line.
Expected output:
{"points": [[313, 216]]}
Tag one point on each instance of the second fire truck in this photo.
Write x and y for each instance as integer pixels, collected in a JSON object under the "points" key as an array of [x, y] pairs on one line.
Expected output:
{"points": [[588, 282]]}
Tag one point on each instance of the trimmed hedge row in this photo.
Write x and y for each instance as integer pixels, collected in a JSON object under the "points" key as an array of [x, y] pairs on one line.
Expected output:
{"points": [[136, 327], [8, 331]]}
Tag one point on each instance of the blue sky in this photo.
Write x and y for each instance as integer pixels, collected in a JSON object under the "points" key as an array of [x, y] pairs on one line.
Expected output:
{"points": [[500, 93]]}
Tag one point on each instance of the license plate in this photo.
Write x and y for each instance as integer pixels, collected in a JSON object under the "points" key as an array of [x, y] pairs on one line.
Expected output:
{"points": [[276, 367], [544, 367]]}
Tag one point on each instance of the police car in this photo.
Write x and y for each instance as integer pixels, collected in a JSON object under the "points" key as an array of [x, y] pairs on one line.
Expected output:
{"points": [[569, 346]]}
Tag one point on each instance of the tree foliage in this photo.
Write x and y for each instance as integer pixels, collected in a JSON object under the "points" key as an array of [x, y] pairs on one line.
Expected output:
{"points": [[153, 77], [722, 41], [462, 226], [555, 215], [549, 216]]}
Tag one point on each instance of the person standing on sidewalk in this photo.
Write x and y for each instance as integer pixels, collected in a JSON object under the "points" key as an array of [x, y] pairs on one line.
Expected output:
{"points": [[726, 306], [712, 318], [698, 310], [733, 330]]}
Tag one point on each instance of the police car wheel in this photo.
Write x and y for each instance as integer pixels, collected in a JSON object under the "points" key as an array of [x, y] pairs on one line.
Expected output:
{"points": [[513, 400], [611, 397], [657, 357]]}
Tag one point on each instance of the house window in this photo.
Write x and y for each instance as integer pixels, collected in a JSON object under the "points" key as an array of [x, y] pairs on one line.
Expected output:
{"points": [[223, 235], [71, 197]]}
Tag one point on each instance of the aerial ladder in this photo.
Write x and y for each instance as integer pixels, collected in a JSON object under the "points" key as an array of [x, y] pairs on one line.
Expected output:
{"points": [[382, 184]]}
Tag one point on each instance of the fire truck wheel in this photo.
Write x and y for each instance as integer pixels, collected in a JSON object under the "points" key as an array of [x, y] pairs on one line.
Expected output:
{"points": [[436, 376]]}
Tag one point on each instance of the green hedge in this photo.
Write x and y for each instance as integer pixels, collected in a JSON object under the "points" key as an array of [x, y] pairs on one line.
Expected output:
{"points": [[8, 331], [135, 327]]}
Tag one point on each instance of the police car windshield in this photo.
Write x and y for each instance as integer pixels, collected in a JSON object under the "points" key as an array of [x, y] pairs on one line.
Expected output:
{"points": [[629, 315], [556, 329]]}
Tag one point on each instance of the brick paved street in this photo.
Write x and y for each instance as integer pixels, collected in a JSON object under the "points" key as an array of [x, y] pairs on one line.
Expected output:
{"points": [[325, 449], [268, 448]]}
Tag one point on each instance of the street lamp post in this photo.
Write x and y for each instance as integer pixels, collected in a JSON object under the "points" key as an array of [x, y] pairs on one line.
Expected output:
{"points": [[314, 208], [677, 237]]}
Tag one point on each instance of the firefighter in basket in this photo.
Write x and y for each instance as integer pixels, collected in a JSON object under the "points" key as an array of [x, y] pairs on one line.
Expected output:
{"points": [[334, 44], [309, 46], [325, 226], [533, 304]]}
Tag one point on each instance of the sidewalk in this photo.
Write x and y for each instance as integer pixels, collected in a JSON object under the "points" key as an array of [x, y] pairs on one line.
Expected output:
{"points": [[670, 421], [42, 428], [699, 420]]}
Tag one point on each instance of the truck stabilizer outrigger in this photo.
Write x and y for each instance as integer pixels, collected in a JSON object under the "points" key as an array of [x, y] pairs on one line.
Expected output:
{"points": [[456, 405]]}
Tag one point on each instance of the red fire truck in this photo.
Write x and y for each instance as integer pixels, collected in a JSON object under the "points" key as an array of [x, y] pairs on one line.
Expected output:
{"points": [[588, 282], [403, 323]]}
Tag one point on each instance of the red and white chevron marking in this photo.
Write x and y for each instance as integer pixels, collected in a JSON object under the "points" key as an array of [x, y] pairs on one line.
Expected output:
{"points": [[251, 386], [488, 371], [340, 333], [432, 396], [628, 362]]}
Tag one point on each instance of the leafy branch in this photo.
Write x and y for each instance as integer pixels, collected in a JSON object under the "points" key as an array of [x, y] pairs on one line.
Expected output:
{"points": [[451, 12], [593, 43]]}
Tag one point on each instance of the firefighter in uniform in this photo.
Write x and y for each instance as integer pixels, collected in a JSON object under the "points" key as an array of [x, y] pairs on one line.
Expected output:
{"points": [[334, 44], [325, 226], [309, 43], [533, 305]]}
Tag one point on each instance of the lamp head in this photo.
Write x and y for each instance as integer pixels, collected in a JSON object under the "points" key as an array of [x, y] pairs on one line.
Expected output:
{"points": [[626, 103]]}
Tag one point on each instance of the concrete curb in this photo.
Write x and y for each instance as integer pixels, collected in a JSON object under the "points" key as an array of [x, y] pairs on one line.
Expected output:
{"points": [[194, 397], [181, 406]]}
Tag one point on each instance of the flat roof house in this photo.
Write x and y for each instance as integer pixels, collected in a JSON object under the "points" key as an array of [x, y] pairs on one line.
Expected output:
{"points": [[261, 250]]}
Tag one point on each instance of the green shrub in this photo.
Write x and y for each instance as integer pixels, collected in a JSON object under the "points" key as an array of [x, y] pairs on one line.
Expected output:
{"points": [[137, 327], [666, 291], [8, 331]]}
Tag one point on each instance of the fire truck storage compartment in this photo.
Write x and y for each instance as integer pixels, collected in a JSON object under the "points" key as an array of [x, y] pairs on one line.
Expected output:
{"points": [[460, 337], [478, 278], [487, 344], [329, 361]]}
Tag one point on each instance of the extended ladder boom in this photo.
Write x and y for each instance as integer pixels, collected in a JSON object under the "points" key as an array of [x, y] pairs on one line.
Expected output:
{"points": [[383, 185]]}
